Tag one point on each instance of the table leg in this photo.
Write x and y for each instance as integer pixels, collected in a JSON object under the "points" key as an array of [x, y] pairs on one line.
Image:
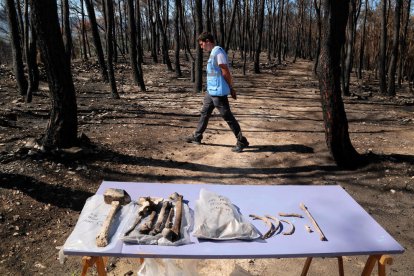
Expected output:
{"points": [[306, 266], [382, 261], [341, 266], [90, 261]]}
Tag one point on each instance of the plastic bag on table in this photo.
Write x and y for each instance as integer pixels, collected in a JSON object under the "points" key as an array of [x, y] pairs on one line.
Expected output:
{"points": [[219, 219], [94, 213], [168, 267], [135, 237]]}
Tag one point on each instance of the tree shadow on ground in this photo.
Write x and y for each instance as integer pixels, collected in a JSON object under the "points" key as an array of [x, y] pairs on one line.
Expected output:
{"points": [[56, 195], [374, 158]]}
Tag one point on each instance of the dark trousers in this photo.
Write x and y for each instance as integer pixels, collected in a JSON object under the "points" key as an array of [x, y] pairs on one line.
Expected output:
{"points": [[222, 105]]}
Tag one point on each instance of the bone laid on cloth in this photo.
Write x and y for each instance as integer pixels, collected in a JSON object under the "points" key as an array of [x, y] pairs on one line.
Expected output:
{"points": [[173, 233], [102, 238]]}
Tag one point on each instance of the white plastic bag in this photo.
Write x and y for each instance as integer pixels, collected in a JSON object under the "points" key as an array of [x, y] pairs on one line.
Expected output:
{"points": [[168, 267], [219, 219], [94, 213]]}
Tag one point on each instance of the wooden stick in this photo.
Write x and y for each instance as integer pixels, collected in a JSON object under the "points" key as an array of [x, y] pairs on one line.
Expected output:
{"points": [[315, 224]]}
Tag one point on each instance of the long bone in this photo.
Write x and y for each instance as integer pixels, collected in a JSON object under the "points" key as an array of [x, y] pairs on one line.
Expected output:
{"points": [[173, 234], [162, 217], [315, 224], [115, 197]]}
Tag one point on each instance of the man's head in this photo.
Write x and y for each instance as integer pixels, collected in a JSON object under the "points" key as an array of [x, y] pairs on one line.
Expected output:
{"points": [[206, 41]]}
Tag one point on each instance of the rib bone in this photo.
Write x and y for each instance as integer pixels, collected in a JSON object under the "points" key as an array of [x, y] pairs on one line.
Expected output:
{"points": [[272, 228], [292, 229]]}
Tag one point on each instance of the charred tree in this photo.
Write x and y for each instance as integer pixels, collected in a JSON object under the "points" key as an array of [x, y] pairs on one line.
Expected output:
{"points": [[394, 52], [382, 59], [109, 15], [260, 21], [66, 29], [97, 40], [334, 19], [16, 48], [198, 85], [133, 56], [177, 37], [61, 130], [164, 38], [362, 42]]}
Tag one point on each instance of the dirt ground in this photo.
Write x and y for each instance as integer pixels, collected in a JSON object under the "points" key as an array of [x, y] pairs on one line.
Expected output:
{"points": [[140, 138]]}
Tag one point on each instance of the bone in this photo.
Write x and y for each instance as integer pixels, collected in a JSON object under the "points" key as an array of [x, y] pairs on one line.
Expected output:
{"points": [[115, 197], [162, 218], [147, 226], [272, 228], [146, 206], [307, 227], [315, 224], [281, 214], [292, 227], [173, 234], [277, 224]]}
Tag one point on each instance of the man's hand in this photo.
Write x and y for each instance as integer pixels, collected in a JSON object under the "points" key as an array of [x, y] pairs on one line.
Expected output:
{"points": [[233, 93]]}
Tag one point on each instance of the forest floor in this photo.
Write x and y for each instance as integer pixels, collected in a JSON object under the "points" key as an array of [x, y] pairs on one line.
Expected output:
{"points": [[140, 138]]}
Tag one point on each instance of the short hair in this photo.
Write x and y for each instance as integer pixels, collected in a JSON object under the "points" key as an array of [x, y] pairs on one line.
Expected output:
{"points": [[204, 36]]}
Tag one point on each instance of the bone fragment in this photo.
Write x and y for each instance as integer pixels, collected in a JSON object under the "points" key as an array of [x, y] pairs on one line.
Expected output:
{"points": [[102, 238], [307, 227], [272, 228], [147, 226], [292, 227], [173, 234], [162, 217], [146, 206], [315, 224], [290, 215]]}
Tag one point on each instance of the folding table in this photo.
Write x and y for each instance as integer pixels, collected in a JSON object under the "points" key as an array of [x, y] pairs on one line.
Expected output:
{"points": [[349, 229]]}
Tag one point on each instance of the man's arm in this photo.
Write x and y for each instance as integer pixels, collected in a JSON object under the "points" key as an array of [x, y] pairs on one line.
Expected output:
{"points": [[225, 71]]}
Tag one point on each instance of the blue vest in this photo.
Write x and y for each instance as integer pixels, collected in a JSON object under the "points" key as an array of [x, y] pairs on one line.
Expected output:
{"points": [[216, 84]]}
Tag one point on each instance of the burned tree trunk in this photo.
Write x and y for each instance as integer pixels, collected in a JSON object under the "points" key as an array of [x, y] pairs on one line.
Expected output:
{"points": [[198, 85], [395, 44], [62, 127], [16, 48], [97, 40], [382, 59], [66, 29], [138, 78], [260, 21], [335, 15]]}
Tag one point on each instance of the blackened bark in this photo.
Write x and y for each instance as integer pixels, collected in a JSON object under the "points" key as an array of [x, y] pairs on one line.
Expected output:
{"points": [[382, 58], [177, 38], [66, 29], [198, 85], [317, 4], [97, 40], [164, 38], [260, 21], [394, 52], [109, 46], [62, 127], [138, 78], [335, 15], [221, 23], [230, 31], [16, 48], [32, 68], [349, 49], [404, 42], [362, 43]]}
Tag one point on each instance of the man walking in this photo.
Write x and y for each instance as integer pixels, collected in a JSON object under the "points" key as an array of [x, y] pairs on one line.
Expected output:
{"points": [[219, 86]]}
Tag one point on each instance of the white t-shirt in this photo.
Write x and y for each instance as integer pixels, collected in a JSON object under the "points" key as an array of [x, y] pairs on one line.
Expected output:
{"points": [[221, 58]]}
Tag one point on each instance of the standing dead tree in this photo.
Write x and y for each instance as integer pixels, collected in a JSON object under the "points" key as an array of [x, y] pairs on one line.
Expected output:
{"points": [[16, 48], [334, 19], [61, 130]]}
